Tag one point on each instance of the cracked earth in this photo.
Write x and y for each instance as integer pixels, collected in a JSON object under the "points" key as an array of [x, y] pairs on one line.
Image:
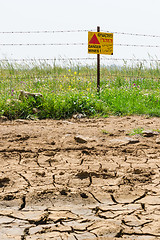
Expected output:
{"points": [[80, 179]]}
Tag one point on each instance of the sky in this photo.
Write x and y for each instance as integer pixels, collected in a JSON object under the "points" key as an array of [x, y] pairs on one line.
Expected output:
{"points": [[117, 16]]}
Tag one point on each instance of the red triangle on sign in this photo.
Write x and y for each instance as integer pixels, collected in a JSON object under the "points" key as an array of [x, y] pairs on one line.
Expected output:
{"points": [[94, 40]]}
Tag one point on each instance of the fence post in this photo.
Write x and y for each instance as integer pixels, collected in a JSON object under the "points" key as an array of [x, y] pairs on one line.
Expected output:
{"points": [[98, 67]]}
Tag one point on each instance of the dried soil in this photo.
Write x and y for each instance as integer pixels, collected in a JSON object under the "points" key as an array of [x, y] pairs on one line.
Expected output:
{"points": [[80, 179]]}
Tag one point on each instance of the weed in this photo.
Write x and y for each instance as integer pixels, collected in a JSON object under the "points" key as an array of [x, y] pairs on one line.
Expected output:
{"points": [[137, 131], [105, 132], [70, 89]]}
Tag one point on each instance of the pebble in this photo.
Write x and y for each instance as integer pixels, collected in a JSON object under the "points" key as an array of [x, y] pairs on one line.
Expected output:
{"points": [[80, 139], [149, 133], [158, 140], [79, 116], [3, 119], [132, 140], [124, 141]]}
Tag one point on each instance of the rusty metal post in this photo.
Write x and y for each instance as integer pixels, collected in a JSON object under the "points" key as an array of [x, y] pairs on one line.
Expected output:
{"points": [[98, 67]]}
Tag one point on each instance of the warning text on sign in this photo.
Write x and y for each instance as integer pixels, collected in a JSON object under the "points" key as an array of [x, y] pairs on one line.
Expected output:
{"points": [[100, 43]]}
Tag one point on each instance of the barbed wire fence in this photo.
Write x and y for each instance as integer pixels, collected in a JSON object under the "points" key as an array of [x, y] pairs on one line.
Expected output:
{"points": [[114, 60]]}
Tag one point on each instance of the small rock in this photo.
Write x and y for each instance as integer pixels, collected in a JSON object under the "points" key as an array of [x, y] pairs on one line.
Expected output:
{"points": [[4, 181], [24, 94], [149, 133], [137, 171], [158, 140], [79, 116], [124, 141], [80, 139], [3, 118], [22, 121], [42, 174], [9, 197], [63, 192], [119, 141], [132, 140], [83, 195], [51, 141], [66, 122]]}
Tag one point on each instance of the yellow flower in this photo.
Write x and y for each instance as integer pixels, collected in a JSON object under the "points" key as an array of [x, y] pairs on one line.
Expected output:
{"points": [[69, 70], [75, 73]]}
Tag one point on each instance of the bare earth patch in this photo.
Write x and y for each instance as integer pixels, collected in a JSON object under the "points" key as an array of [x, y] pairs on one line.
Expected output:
{"points": [[80, 179]]}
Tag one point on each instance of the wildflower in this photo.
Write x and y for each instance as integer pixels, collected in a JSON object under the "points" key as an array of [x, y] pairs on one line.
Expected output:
{"points": [[75, 73], [23, 82], [12, 91]]}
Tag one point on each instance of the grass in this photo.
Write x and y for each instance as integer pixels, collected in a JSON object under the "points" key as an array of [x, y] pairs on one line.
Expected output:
{"points": [[70, 89], [137, 131], [140, 131]]}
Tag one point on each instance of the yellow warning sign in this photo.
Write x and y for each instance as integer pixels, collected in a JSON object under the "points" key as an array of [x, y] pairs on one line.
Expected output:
{"points": [[100, 43]]}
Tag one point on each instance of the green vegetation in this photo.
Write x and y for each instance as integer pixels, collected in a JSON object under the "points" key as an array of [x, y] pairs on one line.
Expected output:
{"points": [[105, 132], [137, 131], [70, 89]]}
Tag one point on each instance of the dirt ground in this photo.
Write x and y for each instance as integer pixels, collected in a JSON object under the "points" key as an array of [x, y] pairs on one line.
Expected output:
{"points": [[80, 179]]}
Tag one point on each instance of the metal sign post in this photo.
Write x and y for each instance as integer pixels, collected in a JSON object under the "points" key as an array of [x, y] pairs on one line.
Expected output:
{"points": [[100, 43], [98, 67]]}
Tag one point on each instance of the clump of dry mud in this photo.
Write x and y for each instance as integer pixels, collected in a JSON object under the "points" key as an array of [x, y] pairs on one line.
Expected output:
{"points": [[80, 179]]}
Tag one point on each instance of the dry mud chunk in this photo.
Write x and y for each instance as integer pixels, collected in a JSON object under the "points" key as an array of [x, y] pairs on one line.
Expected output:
{"points": [[132, 140], [158, 140], [4, 181], [124, 141], [115, 189], [3, 118], [80, 139], [149, 133]]}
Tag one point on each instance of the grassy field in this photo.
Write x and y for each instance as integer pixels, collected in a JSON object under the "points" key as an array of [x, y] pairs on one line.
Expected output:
{"points": [[71, 89]]}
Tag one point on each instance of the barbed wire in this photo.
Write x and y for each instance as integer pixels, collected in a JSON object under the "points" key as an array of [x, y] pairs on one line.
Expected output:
{"points": [[130, 59], [74, 44], [142, 77], [50, 77], [91, 75], [45, 59], [43, 31], [136, 45], [79, 59], [77, 30], [41, 44], [134, 34]]}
